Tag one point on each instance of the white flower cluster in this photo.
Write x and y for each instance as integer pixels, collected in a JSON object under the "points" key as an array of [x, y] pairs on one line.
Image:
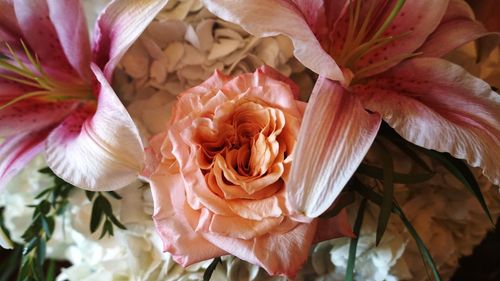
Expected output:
{"points": [[181, 49]]}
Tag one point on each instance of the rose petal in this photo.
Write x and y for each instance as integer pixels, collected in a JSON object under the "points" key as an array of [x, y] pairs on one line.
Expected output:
{"points": [[264, 18], [173, 220], [335, 135], [457, 28], [101, 151], [278, 254], [17, 151], [438, 105], [118, 27], [271, 72], [335, 227], [69, 22]]}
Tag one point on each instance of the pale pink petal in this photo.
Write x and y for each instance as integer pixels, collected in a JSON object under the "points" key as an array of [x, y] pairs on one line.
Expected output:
{"points": [[117, 28], [438, 105], [335, 135], [264, 18], [69, 22], [279, 254], [101, 151], [271, 72], [40, 35], [30, 115], [420, 18], [17, 151], [174, 220], [457, 28]]}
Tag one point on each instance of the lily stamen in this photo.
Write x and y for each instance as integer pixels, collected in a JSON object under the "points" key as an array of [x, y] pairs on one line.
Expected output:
{"points": [[33, 75]]}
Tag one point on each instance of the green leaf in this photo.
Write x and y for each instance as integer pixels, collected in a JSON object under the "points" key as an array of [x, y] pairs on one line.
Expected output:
{"points": [[345, 199], [46, 227], [378, 199], [353, 245], [462, 172], [31, 245], [96, 216], [46, 170], [378, 173], [388, 192], [90, 195], [104, 204], [41, 250], [117, 222], [44, 207], [114, 195], [51, 271], [210, 269], [43, 193]]}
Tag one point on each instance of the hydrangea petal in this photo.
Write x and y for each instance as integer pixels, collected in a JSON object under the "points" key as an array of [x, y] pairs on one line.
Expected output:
{"points": [[264, 18]]}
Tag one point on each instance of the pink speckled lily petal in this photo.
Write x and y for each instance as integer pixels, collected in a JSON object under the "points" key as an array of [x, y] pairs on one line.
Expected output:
{"points": [[458, 27], [17, 151], [97, 147], [438, 105], [70, 25]]}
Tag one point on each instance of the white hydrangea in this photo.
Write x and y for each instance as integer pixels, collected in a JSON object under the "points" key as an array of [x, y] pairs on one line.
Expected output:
{"points": [[181, 49]]}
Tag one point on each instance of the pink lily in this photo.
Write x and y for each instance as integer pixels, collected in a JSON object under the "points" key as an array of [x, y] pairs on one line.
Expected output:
{"points": [[384, 55], [55, 93]]}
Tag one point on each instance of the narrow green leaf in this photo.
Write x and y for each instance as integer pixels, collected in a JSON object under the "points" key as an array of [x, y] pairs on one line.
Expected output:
{"points": [[353, 245], [31, 245], [43, 193], [44, 207], [103, 202], [117, 222], [461, 171], [378, 199], [51, 271], [388, 192], [378, 173], [114, 195], [90, 195], [210, 269], [95, 217], [46, 227], [41, 250], [46, 170], [345, 199]]}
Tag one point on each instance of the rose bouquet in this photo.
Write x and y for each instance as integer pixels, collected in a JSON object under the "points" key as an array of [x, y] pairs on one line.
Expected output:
{"points": [[245, 140]]}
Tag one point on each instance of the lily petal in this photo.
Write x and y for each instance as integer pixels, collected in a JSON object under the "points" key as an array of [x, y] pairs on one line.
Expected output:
{"points": [[118, 27], [264, 18], [101, 151], [419, 18], [438, 105], [9, 29], [175, 221], [69, 22], [335, 135], [17, 151], [457, 28], [40, 35], [31, 115]]}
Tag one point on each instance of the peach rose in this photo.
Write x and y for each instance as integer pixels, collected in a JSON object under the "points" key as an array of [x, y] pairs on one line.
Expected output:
{"points": [[219, 172]]}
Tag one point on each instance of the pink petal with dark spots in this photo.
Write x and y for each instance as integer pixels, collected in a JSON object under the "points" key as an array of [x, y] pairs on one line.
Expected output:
{"points": [[17, 151], [30, 115], [41, 37], [438, 105], [70, 25], [98, 146]]}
